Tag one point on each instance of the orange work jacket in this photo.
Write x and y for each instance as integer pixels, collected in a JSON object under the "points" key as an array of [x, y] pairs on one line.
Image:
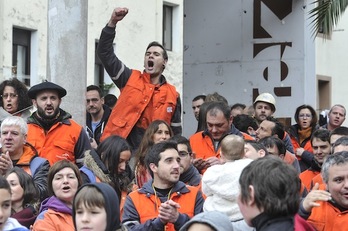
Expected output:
{"points": [[145, 204], [140, 103]]}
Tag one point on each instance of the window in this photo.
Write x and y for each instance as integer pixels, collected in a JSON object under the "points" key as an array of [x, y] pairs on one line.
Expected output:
{"points": [[167, 27], [21, 55]]}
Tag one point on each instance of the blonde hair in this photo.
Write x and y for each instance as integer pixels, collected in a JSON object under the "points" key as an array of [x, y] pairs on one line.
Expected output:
{"points": [[232, 147]]}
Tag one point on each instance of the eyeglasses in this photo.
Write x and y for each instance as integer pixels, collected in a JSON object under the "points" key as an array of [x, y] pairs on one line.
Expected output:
{"points": [[305, 116], [12, 96], [184, 153]]}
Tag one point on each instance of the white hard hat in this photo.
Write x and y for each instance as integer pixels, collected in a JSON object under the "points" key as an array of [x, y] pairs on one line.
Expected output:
{"points": [[267, 98]]}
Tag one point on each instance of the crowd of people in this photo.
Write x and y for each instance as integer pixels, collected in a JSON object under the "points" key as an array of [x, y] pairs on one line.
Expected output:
{"points": [[130, 168]]}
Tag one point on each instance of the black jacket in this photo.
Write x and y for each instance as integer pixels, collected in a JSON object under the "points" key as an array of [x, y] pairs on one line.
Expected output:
{"points": [[100, 127], [263, 222]]}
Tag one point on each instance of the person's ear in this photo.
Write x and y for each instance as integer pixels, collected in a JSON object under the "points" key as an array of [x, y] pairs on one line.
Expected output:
{"points": [[251, 131], [281, 156], [251, 202], [34, 102], [261, 153], [230, 120], [153, 167]]}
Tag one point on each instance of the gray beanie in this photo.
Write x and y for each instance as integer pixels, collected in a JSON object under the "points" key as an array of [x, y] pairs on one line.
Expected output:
{"points": [[219, 221]]}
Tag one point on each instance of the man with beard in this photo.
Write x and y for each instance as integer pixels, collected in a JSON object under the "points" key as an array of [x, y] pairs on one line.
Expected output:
{"points": [[145, 96], [51, 130], [97, 114], [265, 106], [163, 203]]}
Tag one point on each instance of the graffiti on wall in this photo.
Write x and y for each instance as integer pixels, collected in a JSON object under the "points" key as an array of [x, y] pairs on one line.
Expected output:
{"points": [[280, 9]]}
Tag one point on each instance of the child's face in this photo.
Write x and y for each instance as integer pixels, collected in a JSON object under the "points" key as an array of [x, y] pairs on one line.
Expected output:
{"points": [[91, 219], [5, 209]]}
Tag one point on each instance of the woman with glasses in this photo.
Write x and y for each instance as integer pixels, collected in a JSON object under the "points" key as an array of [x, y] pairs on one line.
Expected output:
{"points": [[14, 99], [301, 132]]}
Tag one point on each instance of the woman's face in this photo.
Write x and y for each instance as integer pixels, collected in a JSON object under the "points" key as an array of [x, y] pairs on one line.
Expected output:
{"points": [[305, 118], [161, 134], [16, 189], [10, 100], [65, 184], [5, 207], [124, 158]]}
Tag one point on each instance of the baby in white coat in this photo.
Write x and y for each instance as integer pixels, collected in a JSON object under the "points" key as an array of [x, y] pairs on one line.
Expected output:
{"points": [[220, 183]]}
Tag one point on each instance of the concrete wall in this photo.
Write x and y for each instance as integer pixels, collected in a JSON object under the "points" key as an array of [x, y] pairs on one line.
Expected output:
{"points": [[331, 61], [30, 15], [242, 48]]}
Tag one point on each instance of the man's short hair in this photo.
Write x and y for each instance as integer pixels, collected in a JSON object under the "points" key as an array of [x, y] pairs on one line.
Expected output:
{"points": [[157, 44], [213, 107], [95, 88], [153, 155], [198, 97], [15, 121], [343, 141], [337, 158], [338, 105], [232, 147], [110, 100], [321, 134], [272, 141], [238, 105], [257, 146], [182, 140], [216, 97], [242, 122], [342, 131], [278, 128], [276, 186]]}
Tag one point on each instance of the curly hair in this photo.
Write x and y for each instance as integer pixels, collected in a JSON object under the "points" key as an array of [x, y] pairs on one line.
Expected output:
{"points": [[23, 100]]}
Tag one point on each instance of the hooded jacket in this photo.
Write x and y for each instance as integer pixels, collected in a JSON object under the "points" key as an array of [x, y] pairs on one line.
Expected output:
{"points": [[220, 185], [141, 211], [111, 205], [36, 167], [54, 215], [64, 140], [100, 127]]}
